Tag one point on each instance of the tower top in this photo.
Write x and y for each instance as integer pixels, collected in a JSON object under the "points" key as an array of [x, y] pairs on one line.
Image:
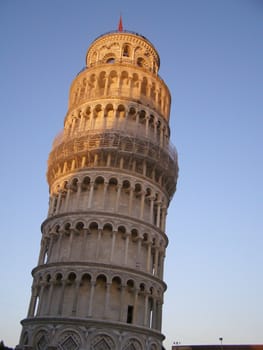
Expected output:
{"points": [[123, 46], [120, 26]]}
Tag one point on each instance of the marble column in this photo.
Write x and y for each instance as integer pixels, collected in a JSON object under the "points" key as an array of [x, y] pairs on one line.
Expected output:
{"points": [[92, 290], [113, 245], [107, 299], [135, 307], [49, 297], [91, 193], [98, 243], [146, 312], [75, 297], [156, 255], [142, 205], [131, 200], [126, 248], [33, 301], [149, 254], [61, 297]]}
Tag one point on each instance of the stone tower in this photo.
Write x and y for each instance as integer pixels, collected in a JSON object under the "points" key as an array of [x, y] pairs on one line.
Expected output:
{"points": [[111, 172]]}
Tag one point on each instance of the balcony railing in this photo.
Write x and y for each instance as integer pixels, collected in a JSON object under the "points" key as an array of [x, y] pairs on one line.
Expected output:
{"points": [[124, 32], [110, 136]]}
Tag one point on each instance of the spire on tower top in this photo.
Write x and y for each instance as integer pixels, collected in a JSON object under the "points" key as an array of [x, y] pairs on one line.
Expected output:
{"points": [[120, 26]]}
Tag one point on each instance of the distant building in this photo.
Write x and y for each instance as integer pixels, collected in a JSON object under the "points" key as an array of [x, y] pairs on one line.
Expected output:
{"points": [[218, 347], [111, 173]]}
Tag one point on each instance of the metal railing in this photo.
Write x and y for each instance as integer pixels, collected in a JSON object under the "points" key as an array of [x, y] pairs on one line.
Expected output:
{"points": [[124, 32], [112, 138]]}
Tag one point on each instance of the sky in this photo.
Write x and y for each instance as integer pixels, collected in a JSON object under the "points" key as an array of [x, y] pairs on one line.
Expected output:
{"points": [[212, 61]]}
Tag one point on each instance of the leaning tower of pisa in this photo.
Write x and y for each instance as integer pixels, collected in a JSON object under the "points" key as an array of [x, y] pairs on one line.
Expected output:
{"points": [[111, 172]]}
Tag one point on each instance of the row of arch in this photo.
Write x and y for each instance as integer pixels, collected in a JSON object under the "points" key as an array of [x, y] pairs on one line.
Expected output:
{"points": [[119, 299], [108, 193], [115, 151], [109, 83], [134, 50], [132, 119], [126, 182], [122, 279], [81, 242], [80, 224], [68, 338]]}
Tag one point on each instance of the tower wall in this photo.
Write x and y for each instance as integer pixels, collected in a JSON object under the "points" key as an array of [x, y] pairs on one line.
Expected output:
{"points": [[112, 173]]}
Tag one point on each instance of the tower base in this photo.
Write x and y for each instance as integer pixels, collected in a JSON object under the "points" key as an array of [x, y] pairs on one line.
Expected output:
{"points": [[52, 333]]}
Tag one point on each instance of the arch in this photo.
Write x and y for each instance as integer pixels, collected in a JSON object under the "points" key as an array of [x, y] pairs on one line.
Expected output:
{"points": [[71, 277], [108, 109], [135, 82], [103, 341], [86, 278], [132, 113], [137, 189], [99, 181], [108, 116], [113, 181], [79, 226], [101, 279], [141, 62], [57, 228], [144, 86], [41, 340], [126, 50], [74, 184], [69, 340], [64, 185], [97, 114], [93, 226], [87, 111], [145, 238], [82, 89], [108, 227], [116, 279], [58, 277], [94, 57], [142, 287], [109, 58], [148, 192], [85, 184], [153, 91], [126, 185], [102, 80], [151, 291], [48, 278], [124, 82], [40, 279], [134, 234], [151, 121], [132, 344], [25, 338], [120, 112], [142, 117], [122, 229], [159, 128], [130, 284], [67, 227], [91, 84], [112, 75]]}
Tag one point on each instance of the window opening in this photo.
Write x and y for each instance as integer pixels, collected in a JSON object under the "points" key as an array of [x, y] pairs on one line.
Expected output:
{"points": [[111, 60], [130, 314], [126, 50]]}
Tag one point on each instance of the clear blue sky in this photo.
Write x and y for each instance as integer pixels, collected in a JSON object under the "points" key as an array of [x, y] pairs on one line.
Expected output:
{"points": [[212, 60]]}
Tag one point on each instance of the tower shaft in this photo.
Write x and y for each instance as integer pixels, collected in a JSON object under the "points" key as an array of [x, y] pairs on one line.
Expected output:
{"points": [[111, 173]]}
